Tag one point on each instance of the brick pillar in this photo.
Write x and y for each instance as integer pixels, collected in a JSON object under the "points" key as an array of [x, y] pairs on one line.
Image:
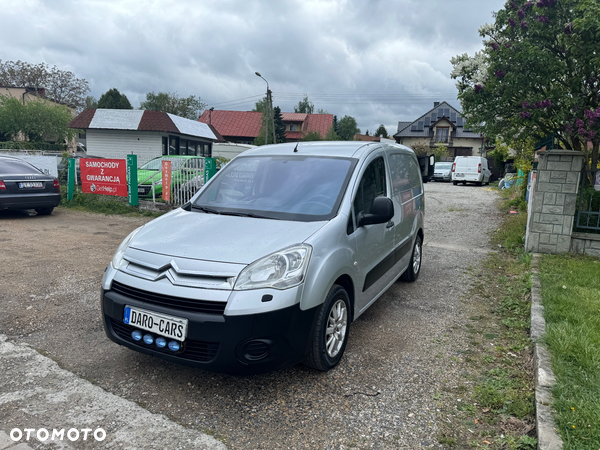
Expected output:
{"points": [[553, 205]]}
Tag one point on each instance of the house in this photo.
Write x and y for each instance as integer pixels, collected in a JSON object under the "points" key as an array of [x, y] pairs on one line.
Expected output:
{"points": [[115, 133], [442, 125], [242, 127]]}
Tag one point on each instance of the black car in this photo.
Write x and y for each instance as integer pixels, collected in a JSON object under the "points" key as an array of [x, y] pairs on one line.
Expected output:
{"points": [[23, 186]]}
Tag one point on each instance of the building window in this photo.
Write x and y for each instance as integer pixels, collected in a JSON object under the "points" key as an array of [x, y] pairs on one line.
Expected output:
{"points": [[293, 127], [165, 145], [442, 134]]}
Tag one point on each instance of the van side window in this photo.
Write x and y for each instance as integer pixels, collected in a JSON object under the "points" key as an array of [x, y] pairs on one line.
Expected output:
{"points": [[372, 185], [406, 177]]}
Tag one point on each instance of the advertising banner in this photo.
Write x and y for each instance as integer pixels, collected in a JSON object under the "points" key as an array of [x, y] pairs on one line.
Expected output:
{"points": [[104, 176], [166, 181]]}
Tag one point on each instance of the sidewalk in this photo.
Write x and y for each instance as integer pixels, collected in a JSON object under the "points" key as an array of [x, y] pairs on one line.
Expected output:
{"points": [[36, 394]]}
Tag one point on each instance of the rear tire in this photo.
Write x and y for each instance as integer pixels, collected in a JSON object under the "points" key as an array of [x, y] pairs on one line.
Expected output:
{"points": [[464, 183], [44, 211], [455, 183], [414, 265], [331, 331]]}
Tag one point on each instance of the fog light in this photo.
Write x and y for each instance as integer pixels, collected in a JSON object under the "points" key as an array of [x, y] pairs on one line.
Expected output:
{"points": [[136, 335], [161, 342], [174, 346], [148, 339]]}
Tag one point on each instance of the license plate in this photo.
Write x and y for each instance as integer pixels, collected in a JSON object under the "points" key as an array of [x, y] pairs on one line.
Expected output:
{"points": [[169, 326], [140, 190], [460, 174], [31, 184]]}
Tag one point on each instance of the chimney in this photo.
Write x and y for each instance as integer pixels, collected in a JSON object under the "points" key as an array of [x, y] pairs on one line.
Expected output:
{"points": [[436, 104]]}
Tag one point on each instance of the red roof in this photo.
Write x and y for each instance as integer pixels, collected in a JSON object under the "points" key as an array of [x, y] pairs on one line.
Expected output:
{"points": [[234, 123], [247, 123]]}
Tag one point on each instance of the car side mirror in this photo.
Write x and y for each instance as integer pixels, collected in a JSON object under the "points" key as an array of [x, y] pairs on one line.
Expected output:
{"points": [[382, 211]]}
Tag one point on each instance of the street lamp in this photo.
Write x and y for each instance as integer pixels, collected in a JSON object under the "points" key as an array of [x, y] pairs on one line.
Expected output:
{"points": [[268, 112]]}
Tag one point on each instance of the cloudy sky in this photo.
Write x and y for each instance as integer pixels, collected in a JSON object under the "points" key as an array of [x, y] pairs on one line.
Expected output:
{"points": [[380, 61]]}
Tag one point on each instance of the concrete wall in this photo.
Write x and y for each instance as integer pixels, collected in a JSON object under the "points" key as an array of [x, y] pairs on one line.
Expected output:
{"points": [[586, 243], [553, 203]]}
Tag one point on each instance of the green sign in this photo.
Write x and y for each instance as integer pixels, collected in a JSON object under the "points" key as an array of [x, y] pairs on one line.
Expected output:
{"points": [[210, 168], [70, 179], [132, 180]]}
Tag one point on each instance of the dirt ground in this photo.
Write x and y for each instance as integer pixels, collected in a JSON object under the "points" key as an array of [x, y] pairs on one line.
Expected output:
{"points": [[380, 396]]}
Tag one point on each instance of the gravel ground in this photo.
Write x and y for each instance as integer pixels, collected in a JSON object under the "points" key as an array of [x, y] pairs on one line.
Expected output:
{"points": [[401, 352]]}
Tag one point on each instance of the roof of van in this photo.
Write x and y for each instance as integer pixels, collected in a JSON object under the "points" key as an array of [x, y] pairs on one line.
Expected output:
{"points": [[347, 149]]}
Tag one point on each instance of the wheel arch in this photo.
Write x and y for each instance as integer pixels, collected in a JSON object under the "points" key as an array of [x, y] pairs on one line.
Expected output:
{"points": [[345, 281]]}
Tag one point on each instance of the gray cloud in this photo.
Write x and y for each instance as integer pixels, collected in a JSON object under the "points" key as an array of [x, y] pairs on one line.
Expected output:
{"points": [[378, 61]]}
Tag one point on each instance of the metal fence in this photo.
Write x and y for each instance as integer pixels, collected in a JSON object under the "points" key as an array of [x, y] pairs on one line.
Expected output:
{"points": [[187, 177], [587, 217]]}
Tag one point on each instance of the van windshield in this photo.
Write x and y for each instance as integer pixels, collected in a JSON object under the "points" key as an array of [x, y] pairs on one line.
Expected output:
{"points": [[301, 188]]}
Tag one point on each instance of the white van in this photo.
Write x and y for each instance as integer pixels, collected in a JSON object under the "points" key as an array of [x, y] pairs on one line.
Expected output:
{"points": [[470, 169]]}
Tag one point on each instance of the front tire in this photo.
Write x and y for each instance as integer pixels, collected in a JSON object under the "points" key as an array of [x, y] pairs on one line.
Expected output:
{"points": [[331, 331], [455, 183], [414, 266]]}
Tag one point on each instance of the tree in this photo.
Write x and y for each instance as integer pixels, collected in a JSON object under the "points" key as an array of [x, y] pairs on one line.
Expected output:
{"points": [[279, 126], [304, 106], [189, 107], [113, 99], [537, 76], [312, 136], [381, 132], [335, 124], [91, 102], [347, 128], [62, 86], [331, 135], [322, 111], [36, 120], [263, 106]]}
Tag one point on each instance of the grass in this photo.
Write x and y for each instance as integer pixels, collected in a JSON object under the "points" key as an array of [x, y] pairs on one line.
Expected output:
{"points": [[497, 411], [571, 298], [102, 204]]}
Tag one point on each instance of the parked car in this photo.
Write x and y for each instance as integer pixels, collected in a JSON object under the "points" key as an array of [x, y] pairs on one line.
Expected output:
{"points": [[183, 168], [24, 186], [470, 169], [442, 171], [272, 260], [63, 167]]}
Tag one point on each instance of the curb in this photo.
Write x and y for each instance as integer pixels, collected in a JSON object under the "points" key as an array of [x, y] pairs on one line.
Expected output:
{"points": [[547, 436]]}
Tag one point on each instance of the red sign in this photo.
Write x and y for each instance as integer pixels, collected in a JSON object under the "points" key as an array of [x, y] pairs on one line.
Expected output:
{"points": [[166, 181], [104, 176]]}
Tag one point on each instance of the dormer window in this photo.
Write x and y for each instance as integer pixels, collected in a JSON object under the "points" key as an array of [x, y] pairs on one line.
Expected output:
{"points": [[442, 134]]}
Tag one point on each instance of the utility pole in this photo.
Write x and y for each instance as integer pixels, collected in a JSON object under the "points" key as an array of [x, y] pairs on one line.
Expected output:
{"points": [[269, 113]]}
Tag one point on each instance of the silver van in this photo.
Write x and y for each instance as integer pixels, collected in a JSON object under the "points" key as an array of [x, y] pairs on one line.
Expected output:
{"points": [[272, 260]]}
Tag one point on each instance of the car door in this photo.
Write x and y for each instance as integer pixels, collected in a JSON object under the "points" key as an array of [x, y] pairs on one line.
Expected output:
{"points": [[374, 244], [406, 195]]}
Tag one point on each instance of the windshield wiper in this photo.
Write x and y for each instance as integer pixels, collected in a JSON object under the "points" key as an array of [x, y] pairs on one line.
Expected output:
{"points": [[206, 210], [241, 214]]}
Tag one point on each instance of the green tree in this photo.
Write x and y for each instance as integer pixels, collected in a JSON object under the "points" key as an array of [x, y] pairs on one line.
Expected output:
{"points": [[91, 102], [347, 128], [305, 106], [538, 75], [322, 111], [37, 120], [189, 107], [381, 132], [331, 135], [335, 124], [279, 126], [113, 99], [261, 105], [312, 136], [62, 86]]}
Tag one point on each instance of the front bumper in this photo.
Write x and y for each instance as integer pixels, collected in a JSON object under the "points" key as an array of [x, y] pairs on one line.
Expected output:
{"points": [[235, 344], [29, 201]]}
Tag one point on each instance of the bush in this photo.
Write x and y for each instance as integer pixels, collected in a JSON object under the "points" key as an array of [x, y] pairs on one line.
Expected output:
{"points": [[32, 145]]}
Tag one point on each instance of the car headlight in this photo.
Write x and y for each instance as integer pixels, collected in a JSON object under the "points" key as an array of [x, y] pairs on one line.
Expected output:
{"points": [[118, 261], [280, 270]]}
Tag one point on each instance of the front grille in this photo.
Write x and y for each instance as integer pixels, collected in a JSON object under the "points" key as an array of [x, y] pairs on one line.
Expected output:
{"points": [[143, 190], [183, 304], [192, 350]]}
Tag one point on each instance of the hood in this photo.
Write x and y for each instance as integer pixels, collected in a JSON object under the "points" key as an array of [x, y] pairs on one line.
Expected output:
{"points": [[212, 237]]}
